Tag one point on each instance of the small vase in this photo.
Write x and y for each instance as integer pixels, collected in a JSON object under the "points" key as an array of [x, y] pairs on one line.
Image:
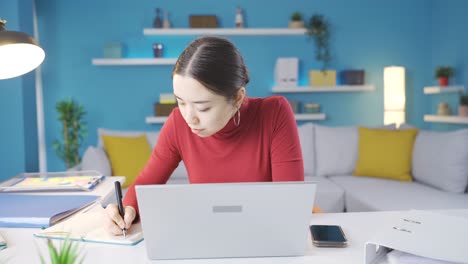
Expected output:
{"points": [[443, 81], [463, 110]]}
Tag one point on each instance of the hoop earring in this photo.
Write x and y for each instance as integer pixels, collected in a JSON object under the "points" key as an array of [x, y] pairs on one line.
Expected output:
{"points": [[236, 123]]}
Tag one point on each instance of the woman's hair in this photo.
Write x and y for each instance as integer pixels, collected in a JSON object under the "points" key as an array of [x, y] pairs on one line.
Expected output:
{"points": [[216, 63]]}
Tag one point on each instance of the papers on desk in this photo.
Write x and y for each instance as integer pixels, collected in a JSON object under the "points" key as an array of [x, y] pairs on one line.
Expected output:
{"points": [[423, 234], [27, 210], [88, 226], [399, 257], [52, 181]]}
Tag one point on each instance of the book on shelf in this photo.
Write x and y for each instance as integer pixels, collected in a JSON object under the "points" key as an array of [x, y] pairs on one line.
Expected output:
{"points": [[88, 226], [53, 181], [29, 210]]}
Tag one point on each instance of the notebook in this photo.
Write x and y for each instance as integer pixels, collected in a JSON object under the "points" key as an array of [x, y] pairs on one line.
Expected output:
{"points": [[184, 221], [88, 226], [29, 210]]}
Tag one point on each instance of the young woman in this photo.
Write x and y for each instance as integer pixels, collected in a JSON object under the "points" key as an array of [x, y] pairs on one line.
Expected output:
{"points": [[221, 134]]}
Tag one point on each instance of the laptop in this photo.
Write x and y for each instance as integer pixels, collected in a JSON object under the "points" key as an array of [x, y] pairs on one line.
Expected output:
{"points": [[226, 220]]}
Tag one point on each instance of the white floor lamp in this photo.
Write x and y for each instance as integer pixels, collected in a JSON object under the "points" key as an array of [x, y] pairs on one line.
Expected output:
{"points": [[21, 54], [394, 95]]}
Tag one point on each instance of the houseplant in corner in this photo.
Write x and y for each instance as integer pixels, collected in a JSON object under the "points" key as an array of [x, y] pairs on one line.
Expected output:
{"points": [[296, 21], [71, 115], [443, 73], [463, 106]]}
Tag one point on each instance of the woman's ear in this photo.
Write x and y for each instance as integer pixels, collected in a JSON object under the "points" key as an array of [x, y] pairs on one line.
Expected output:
{"points": [[240, 97]]}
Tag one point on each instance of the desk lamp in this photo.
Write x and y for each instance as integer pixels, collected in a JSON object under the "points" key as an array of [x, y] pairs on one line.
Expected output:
{"points": [[19, 53]]}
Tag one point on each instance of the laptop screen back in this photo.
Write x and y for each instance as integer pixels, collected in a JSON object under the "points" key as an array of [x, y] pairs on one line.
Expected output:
{"points": [[226, 219]]}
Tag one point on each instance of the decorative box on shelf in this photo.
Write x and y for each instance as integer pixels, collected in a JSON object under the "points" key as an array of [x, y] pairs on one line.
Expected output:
{"points": [[325, 78]]}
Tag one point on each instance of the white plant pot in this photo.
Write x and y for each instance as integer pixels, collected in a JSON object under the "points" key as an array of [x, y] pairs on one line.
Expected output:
{"points": [[296, 24]]}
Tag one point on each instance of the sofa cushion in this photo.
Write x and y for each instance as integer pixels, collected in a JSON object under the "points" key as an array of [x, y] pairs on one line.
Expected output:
{"points": [[329, 196], [374, 194], [151, 136], [385, 153], [336, 149], [306, 138], [127, 155], [440, 159], [96, 159]]}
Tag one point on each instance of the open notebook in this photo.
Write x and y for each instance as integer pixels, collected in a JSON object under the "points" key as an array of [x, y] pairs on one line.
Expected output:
{"points": [[88, 226]]}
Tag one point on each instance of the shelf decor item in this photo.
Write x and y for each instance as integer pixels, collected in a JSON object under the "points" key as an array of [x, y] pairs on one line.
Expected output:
{"points": [[322, 78], [352, 77], [311, 108], [286, 72], [463, 106], [166, 22], [158, 49], [239, 20], [444, 109], [157, 22], [443, 73], [167, 102], [203, 21], [113, 50], [296, 21], [71, 116], [319, 29]]}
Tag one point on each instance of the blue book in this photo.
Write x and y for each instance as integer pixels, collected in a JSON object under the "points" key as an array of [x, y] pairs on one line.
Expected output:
{"points": [[29, 210]]}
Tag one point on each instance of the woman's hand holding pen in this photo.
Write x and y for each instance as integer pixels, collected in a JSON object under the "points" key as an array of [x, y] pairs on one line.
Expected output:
{"points": [[114, 222]]}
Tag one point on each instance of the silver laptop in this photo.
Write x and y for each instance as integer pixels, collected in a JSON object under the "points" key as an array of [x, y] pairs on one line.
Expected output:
{"points": [[225, 220]]}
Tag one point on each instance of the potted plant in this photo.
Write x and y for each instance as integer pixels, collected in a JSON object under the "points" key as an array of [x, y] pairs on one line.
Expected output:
{"points": [[67, 253], [71, 115], [463, 106], [443, 73], [319, 29], [296, 21]]}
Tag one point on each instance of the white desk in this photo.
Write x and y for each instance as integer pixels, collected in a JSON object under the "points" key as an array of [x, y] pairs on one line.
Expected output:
{"points": [[359, 227]]}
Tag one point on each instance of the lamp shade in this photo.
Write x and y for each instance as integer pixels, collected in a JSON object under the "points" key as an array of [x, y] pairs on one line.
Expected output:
{"points": [[19, 54], [394, 95]]}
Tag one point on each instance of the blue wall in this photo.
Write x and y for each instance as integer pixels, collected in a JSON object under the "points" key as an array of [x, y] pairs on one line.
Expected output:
{"points": [[366, 35]]}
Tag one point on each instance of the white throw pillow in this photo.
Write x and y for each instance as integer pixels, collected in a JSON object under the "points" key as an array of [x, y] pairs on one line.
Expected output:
{"points": [[151, 136], [336, 149], [96, 159], [306, 138], [440, 159]]}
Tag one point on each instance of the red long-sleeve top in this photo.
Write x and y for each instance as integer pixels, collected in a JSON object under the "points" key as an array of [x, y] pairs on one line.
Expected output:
{"points": [[264, 147]]}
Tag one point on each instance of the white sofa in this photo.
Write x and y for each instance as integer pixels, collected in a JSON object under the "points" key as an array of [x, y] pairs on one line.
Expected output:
{"points": [[439, 170]]}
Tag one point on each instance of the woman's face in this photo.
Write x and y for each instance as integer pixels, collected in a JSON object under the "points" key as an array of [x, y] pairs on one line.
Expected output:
{"points": [[204, 111]]}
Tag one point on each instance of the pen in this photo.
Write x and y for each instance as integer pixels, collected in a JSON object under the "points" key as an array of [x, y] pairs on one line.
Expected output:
{"points": [[118, 195]]}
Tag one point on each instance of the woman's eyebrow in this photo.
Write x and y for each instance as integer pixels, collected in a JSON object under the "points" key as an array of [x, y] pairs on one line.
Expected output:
{"points": [[195, 102]]}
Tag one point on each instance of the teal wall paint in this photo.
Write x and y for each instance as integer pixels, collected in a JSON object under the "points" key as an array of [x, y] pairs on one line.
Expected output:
{"points": [[449, 39], [366, 34], [12, 151]]}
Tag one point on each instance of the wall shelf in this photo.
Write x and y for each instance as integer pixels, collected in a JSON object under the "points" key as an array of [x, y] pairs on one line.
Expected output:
{"points": [[339, 88], [446, 119], [443, 89], [299, 117], [225, 31], [133, 61]]}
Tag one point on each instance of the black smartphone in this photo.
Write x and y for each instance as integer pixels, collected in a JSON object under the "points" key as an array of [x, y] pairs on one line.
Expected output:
{"points": [[328, 236]]}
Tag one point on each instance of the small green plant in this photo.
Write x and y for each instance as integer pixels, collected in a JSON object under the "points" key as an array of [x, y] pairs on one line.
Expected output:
{"points": [[319, 28], [71, 115], [67, 253], [444, 71], [464, 99], [296, 16]]}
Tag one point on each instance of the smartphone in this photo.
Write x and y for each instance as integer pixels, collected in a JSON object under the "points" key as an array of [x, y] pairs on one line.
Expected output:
{"points": [[328, 236]]}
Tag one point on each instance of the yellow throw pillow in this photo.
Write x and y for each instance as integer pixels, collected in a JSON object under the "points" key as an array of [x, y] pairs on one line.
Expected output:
{"points": [[385, 153], [127, 155]]}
